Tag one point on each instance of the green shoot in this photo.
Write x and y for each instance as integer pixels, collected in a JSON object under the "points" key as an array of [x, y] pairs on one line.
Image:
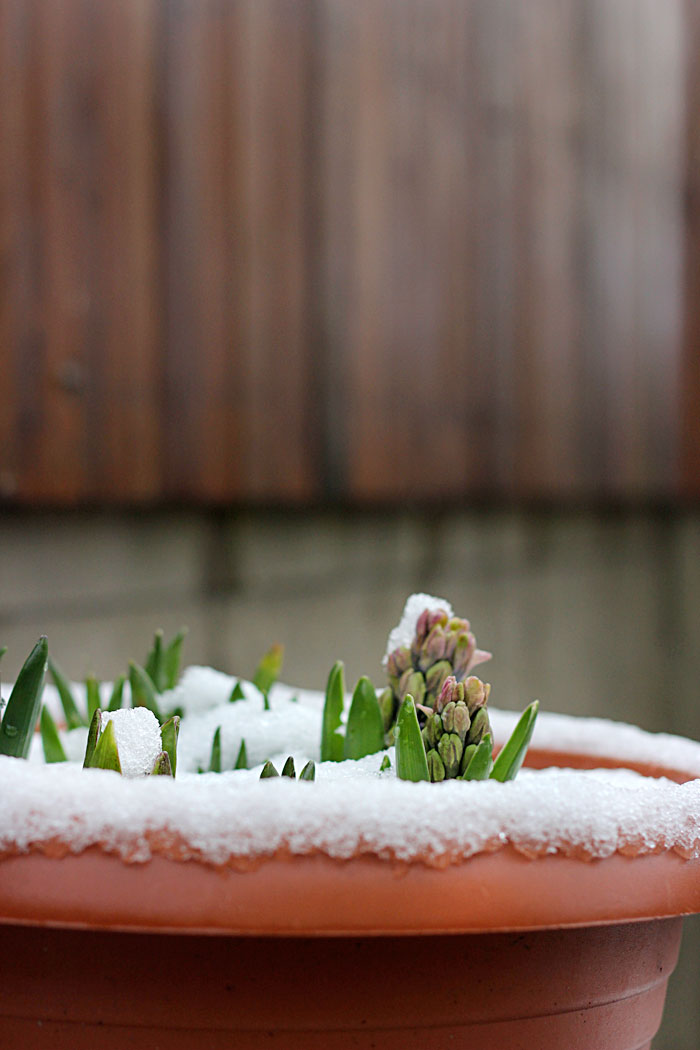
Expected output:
{"points": [[51, 741], [169, 732], [22, 711], [242, 760], [510, 757], [73, 717], [215, 757], [411, 760], [268, 670], [364, 733], [480, 764], [331, 740]]}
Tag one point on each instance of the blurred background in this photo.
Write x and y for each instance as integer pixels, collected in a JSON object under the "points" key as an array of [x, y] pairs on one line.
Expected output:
{"points": [[308, 304]]}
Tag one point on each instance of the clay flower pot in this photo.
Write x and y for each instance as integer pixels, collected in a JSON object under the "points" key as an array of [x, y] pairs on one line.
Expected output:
{"points": [[507, 948]]}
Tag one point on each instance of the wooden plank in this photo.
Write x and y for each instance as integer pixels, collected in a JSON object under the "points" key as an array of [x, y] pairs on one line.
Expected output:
{"points": [[632, 245], [546, 345], [397, 118], [275, 175], [80, 329], [237, 367], [124, 402], [690, 452], [266, 250]]}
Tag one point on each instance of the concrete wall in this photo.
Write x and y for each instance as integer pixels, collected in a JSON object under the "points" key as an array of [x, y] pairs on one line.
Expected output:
{"points": [[594, 614]]}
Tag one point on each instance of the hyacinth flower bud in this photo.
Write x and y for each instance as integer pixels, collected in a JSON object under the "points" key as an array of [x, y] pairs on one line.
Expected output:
{"points": [[454, 629], [432, 731], [436, 768], [464, 650], [447, 718], [480, 726], [435, 678], [452, 692], [450, 749], [427, 621], [398, 661], [412, 683], [477, 693], [432, 649], [461, 721], [421, 633], [386, 706]]}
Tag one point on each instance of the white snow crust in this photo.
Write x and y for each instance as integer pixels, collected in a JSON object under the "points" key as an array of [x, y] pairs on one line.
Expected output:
{"points": [[349, 810], [352, 808], [137, 734], [405, 629]]}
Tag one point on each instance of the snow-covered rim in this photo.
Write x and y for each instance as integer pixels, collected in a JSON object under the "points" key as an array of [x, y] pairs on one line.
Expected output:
{"points": [[353, 810]]}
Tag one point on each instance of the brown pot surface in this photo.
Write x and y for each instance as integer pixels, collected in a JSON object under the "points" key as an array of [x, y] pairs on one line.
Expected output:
{"points": [[600, 988], [307, 896]]}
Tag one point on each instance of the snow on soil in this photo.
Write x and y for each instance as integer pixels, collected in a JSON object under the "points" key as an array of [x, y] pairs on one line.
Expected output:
{"points": [[352, 808], [137, 734]]}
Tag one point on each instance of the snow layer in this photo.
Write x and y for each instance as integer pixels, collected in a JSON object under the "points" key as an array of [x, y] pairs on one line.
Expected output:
{"points": [[137, 733], [202, 688], [287, 727], [349, 810]]}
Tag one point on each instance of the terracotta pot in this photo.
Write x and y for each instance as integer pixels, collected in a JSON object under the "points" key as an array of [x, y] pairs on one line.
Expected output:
{"points": [[499, 952]]}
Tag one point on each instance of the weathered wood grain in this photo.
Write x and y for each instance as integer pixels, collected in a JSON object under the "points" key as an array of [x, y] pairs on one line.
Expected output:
{"points": [[368, 250], [691, 210]]}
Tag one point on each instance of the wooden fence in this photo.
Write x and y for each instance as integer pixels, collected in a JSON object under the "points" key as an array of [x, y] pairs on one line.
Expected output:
{"points": [[287, 251]]}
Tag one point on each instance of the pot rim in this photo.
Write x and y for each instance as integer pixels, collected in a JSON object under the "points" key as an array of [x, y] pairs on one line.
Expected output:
{"points": [[364, 896], [316, 895]]}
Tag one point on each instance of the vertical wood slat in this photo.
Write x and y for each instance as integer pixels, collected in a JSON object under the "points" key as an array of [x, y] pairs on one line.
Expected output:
{"points": [[79, 328], [563, 210], [237, 355], [690, 464], [474, 256]]}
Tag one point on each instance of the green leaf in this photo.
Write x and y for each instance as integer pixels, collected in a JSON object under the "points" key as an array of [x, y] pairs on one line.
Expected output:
{"points": [[23, 707], [331, 739], [3, 650], [106, 753], [481, 763], [236, 694], [242, 760], [510, 758], [92, 691], [266, 702], [143, 691], [288, 769], [162, 767], [268, 670], [364, 733], [154, 663], [215, 757], [268, 770], [73, 717], [93, 734], [169, 733], [117, 698], [172, 658], [51, 741], [411, 760], [386, 764], [308, 772]]}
